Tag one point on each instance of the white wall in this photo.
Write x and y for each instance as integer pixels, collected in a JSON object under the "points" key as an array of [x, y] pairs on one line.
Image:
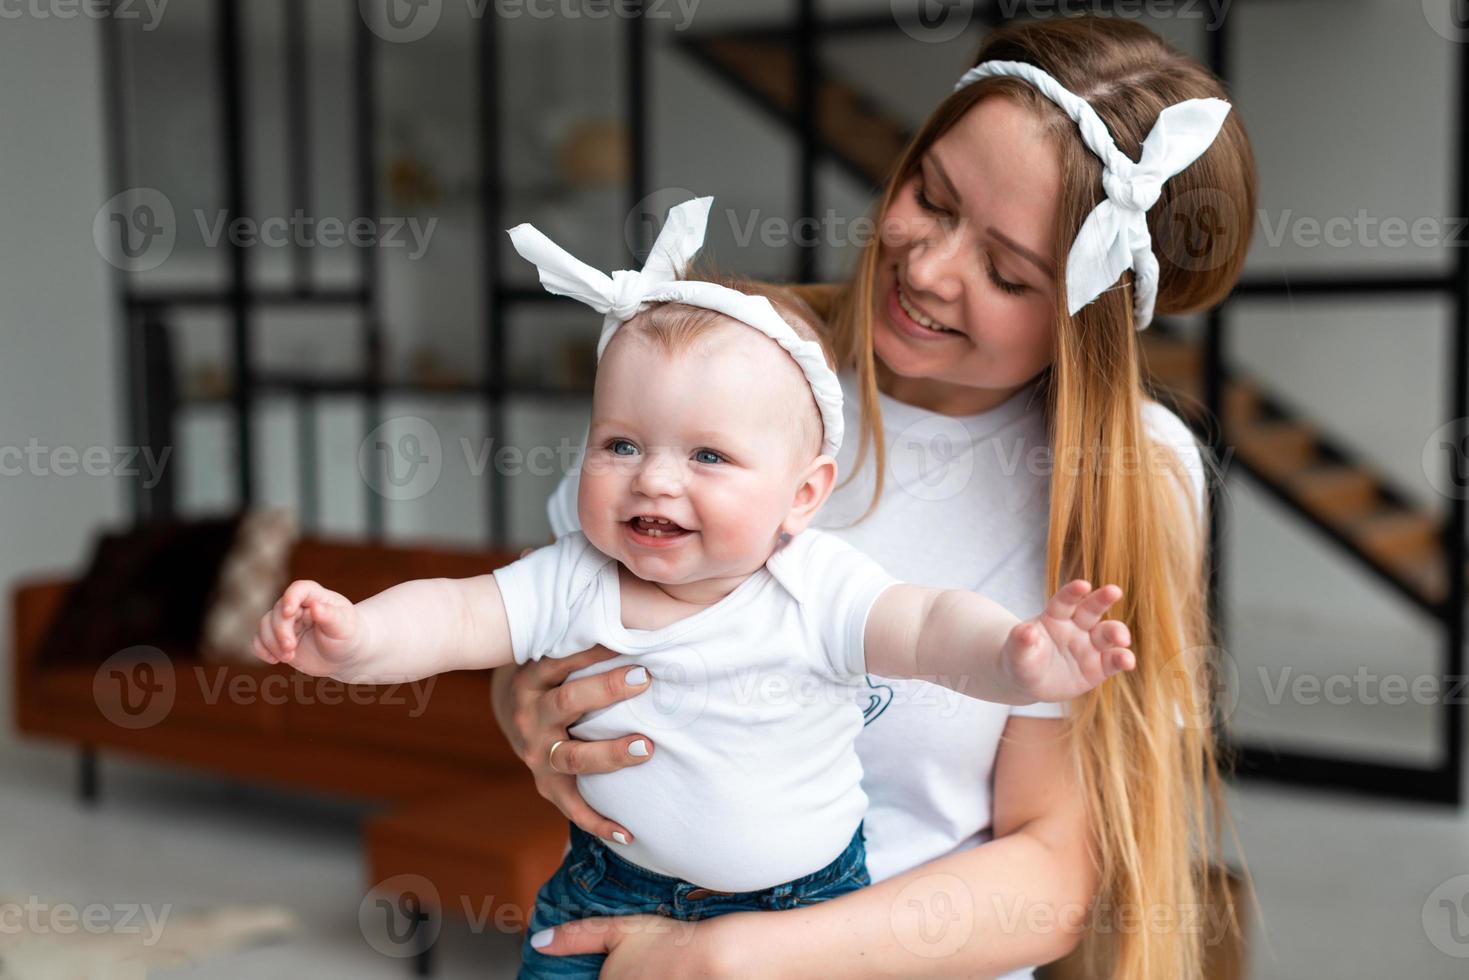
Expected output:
{"points": [[58, 365]]}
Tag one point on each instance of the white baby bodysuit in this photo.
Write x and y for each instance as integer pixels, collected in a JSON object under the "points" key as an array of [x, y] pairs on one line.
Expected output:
{"points": [[754, 707]]}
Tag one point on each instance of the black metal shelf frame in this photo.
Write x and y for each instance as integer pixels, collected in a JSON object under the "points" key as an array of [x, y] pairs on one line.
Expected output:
{"points": [[153, 401], [1442, 781]]}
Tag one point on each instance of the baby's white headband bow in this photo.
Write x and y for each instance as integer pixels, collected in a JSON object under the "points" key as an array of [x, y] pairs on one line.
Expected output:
{"points": [[621, 295], [1115, 236]]}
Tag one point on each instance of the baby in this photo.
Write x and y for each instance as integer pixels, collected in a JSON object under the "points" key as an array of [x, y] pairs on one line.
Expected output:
{"points": [[715, 420]]}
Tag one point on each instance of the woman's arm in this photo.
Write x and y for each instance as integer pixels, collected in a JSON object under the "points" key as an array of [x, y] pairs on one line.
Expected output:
{"points": [[1014, 902]]}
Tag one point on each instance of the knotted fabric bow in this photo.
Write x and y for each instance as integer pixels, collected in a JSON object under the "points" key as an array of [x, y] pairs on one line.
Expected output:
{"points": [[620, 296], [1115, 236]]}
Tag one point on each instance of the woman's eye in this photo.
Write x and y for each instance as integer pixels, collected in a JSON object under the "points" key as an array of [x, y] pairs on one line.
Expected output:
{"points": [[922, 199], [708, 456], [621, 447], [1014, 288]]}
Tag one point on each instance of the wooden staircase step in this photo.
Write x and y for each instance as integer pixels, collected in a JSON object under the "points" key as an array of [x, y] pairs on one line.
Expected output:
{"points": [[1395, 536], [1241, 401], [858, 132], [1424, 574], [1173, 362], [1339, 493], [1277, 448]]}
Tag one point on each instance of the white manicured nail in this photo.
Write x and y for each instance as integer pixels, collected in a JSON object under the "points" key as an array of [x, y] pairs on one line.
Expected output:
{"points": [[542, 939], [619, 836], [637, 676], [638, 748]]}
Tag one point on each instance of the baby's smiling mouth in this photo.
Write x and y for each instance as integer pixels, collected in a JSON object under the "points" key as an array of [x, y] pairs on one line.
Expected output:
{"points": [[656, 527]]}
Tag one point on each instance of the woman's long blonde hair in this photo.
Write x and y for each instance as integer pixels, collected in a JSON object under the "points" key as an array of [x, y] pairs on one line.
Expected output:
{"points": [[1153, 790]]}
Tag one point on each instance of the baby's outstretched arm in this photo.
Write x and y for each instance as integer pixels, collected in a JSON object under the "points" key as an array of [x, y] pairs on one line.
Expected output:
{"points": [[404, 633], [977, 647]]}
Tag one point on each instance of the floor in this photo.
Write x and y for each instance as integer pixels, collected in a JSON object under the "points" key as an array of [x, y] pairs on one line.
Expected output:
{"points": [[1345, 883]]}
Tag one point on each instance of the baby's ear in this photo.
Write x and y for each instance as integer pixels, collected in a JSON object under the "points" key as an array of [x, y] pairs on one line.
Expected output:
{"points": [[817, 482]]}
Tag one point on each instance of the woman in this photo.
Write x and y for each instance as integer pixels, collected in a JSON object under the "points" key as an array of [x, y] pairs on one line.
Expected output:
{"points": [[993, 831]]}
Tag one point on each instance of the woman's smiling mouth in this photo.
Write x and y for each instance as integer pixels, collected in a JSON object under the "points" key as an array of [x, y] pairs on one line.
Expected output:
{"points": [[913, 321]]}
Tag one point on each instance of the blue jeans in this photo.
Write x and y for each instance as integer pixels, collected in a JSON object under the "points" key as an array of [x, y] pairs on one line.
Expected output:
{"points": [[594, 881]]}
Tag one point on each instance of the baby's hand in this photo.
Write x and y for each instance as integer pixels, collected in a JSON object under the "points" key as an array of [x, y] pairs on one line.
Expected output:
{"points": [[1068, 649], [313, 629]]}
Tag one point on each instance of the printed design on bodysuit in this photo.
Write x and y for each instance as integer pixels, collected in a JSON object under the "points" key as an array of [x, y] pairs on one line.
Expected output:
{"points": [[878, 697]]}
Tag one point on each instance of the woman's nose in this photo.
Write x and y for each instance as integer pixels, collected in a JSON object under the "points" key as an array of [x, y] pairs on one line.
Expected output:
{"points": [[933, 267]]}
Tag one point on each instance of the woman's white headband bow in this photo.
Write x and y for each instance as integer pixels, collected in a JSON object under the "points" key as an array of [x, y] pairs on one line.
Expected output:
{"points": [[621, 295], [1115, 236]]}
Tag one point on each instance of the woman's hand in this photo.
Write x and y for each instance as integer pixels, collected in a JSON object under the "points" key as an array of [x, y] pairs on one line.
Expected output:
{"points": [[535, 704], [652, 947]]}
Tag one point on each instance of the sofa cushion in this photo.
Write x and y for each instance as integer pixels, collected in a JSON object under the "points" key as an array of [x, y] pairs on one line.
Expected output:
{"points": [[144, 587], [252, 578]]}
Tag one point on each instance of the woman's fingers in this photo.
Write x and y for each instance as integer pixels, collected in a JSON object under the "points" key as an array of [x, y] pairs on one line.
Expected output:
{"points": [[574, 698], [578, 758], [576, 809], [599, 935], [549, 672]]}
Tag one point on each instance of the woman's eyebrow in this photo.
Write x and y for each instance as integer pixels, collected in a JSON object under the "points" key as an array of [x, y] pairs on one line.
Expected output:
{"points": [[933, 160], [1021, 250], [999, 236]]}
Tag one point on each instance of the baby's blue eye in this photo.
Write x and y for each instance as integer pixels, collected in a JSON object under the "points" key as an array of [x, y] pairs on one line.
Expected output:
{"points": [[708, 456], [621, 447]]}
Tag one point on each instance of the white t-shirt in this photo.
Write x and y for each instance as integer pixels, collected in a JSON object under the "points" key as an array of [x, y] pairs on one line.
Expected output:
{"points": [[964, 505], [756, 781]]}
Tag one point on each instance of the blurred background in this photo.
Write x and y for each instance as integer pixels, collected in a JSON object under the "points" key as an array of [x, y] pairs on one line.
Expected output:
{"points": [[260, 319]]}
